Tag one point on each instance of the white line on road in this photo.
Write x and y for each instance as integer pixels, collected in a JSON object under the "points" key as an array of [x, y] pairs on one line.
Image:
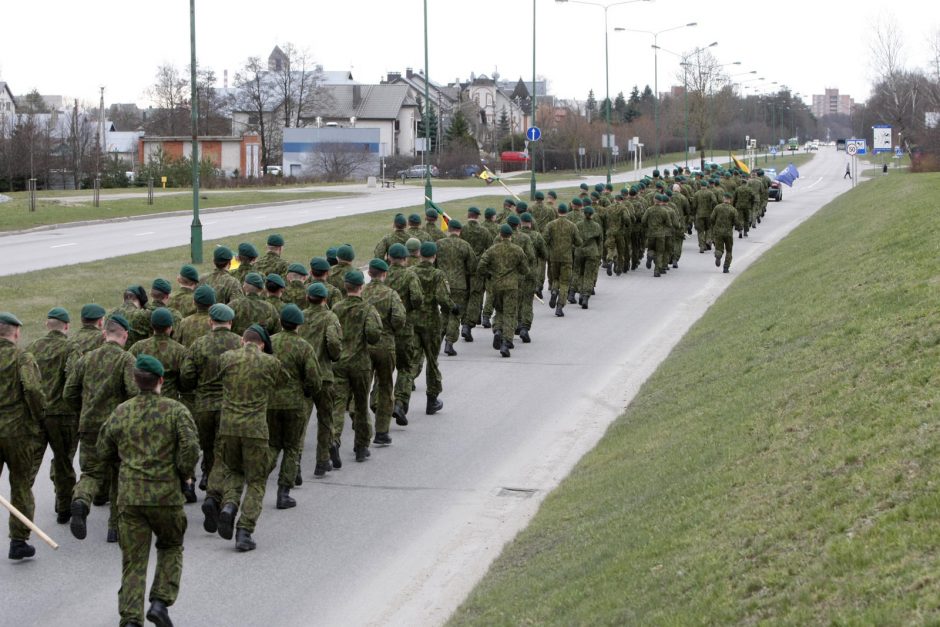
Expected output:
{"points": [[144, 233], [812, 185], [64, 245]]}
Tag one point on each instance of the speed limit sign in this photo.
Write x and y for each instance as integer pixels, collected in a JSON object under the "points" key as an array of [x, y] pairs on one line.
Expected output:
{"points": [[851, 149]]}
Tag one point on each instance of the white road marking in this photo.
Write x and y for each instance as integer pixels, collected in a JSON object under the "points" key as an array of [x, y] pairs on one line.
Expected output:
{"points": [[812, 185], [144, 233], [64, 245]]}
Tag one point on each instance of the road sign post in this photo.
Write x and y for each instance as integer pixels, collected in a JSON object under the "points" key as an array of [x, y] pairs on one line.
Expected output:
{"points": [[533, 134]]}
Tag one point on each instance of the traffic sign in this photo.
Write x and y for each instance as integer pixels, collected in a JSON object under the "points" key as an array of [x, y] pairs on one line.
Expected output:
{"points": [[533, 134], [898, 152], [773, 150], [881, 135], [851, 149], [860, 146]]}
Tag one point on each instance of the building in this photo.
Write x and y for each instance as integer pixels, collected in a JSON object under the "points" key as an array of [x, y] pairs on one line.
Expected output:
{"points": [[7, 109], [227, 154], [832, 103], [316, 151]]}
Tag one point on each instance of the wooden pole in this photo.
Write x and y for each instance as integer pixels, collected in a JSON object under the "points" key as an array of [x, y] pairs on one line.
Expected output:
{"points": [[26, 521]]}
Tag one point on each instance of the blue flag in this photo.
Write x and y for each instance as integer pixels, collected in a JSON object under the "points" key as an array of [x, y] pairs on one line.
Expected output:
{"points": [[789, 174]]}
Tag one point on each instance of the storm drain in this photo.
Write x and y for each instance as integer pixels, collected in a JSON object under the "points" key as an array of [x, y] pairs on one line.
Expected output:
{"points": [[519, 493]]}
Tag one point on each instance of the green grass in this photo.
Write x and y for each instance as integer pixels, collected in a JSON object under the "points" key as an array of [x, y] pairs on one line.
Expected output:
{"points": [[15, 214], [30, 295], [781, 465]]}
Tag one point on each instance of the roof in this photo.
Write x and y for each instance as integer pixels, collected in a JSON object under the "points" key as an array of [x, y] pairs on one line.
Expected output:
{"points": [[189, 138], [367, 102], [337, 77], [121, 141], [416, 82], [6, 87]]}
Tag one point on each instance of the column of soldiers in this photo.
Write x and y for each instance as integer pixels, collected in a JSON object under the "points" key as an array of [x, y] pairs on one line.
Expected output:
{"points": [[234, 364]]}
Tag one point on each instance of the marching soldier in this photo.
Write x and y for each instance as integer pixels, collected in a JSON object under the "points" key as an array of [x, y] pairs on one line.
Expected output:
{"points": [[247, 255], [561, 238], [724, 219], [405, 282], [90, 336], [428, 323], [382, 354], [227, 288], [504, 264], [182, 300], [589, 255], [272, 262], [456, 258], [195, 325]]}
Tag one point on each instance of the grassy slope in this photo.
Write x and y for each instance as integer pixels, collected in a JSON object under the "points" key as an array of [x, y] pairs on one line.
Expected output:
{"points": [[780, 465]]}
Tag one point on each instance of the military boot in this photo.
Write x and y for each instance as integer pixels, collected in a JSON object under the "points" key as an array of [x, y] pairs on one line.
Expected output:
{"points": [[19, 549], [571, 296], [434, 405], [243, 541], [204, 482], [717, 261], [497, 340], [504, 350], [449, 349], [524, 335], [158, 614], [554, 299], [77, 524], [189, 492], [227, 520], [398, 410], [486, 322], [334, 456], [465, 333], [112, 536], [362, 454], [284, 499], [210, 509], [559, 311], [584, 302], [299, 479], [382, 438], [610, 269], [322, 468]]}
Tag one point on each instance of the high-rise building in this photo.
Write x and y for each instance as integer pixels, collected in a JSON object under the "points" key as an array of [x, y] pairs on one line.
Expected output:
{"points": [[832, 103]]}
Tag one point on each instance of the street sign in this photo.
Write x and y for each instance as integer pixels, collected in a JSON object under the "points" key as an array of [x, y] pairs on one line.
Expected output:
{"points": [[860, 146], [851, 149], [581, 151], [533, 134], [608, 141], [773, 150], [898, 152], [881, 138], [615, 151]]}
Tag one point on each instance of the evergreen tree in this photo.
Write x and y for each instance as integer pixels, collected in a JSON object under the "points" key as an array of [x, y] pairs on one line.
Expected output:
{"points": [[605, 108], [620, 106], [432, 127], [459, 131], [33, 103], [591, 105], [635, 96], [503, 125]]}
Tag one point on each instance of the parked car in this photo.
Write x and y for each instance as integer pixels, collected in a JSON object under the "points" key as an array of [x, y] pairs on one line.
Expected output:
{"points": [[776, 190], [417, 172]]}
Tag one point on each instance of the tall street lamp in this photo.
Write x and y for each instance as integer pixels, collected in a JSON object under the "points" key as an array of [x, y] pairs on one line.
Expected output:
{"points": [[684, 62], [428, 192], [532, 95], [607, 103], [656, 35], [195, 230]]}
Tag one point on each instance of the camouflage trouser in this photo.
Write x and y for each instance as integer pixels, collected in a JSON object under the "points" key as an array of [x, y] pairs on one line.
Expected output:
{"points": [[285, 433], [383, 389], [723, 244], [587, 274], [526, 315], [575, 281], [207, 426], [614, 245], [656, 250], [452, 328], [352, 384], [404, 364], [488, 303], [245, 465], [137, 525], [17, 454], [637, 246], [559, 276], [677, 246], [428, 345], [744, 217], [62, 435], [95, 472], [542, 274], [506, 303], [471, 314], [325, 403], [702, 225]]}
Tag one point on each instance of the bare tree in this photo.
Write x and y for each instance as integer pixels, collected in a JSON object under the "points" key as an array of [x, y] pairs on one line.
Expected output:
{"points": [[258, 96], [169, 95], [896, 90], [340, 162], [81, 140], [702, 77]]}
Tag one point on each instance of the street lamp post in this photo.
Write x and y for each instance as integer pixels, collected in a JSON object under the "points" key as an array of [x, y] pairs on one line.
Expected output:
{"points": [[195, 230], [532, 95], [607, 102], [656, 35], [428, 191], [684, 62]]}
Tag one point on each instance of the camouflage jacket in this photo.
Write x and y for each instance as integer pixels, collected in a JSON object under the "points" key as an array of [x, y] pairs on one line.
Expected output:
{"points": [[542, 214], [300, 360], [561, 237], [396, 236], [244, 267], [155, 304], [504, 265], [479, 237], [538, 245], [171, 354], [337, 277], [405, 282], [154, 439], [53, 353], [418, 233], [88, 338], [192, 328], [657, 221], [251, 309], [725, 219], [247, 375], [22, 404], [744, 197], [296, 293], [139, 320], [455, 257], [703, 201], [182, 301], [436, 296], [99, 382], [390, 308], [200, 370], [333, 294], [271, 263], [434, 231], [227, 288], [362, 327], [591, 238], [323, 332]]}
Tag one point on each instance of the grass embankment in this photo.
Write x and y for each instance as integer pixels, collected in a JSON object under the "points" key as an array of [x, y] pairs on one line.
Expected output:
{"points": [[30, 295], [15, 214], [781, 465]]}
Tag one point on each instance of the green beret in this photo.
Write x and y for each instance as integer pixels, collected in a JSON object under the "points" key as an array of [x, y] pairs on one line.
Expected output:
{"points": [[292, 314], [577, 202], [221, 313], [414, 218], [161, 285], [7, 318], [413, 244], [148, 363], [345, 252], [609, 187], [583, 186], [526, 217], [513, 220], [399, 220], [221, 253], [59, 313], [428, 249], [275, 239], [552, 193], [727, 194], [139, 293], [161, 317], [354, 277], [378, 264], [662, 197], [655, 173], [595, 195], [204, 295], [454, 225], [276, 279], [505, 230], [319, 264], [189, 272], [121, 320], [473, 211], [247, 250], [562, 208], [624, 191], [539, 195], [489, 213], [297, 268], [589, 210], [431, 213], [397, 251], [317, 290], [521, 206], [92, 311], [509, 201], [634, 191], [331, 253], [253, 278], [599, 187], [257, 328], [669, 193]]}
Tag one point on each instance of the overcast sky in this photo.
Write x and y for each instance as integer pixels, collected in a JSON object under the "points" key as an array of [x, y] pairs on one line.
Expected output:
{"points": [[70, 48]]}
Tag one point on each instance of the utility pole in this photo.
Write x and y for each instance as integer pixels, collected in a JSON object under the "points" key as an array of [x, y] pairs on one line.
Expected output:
{"points": [[195, 233]]}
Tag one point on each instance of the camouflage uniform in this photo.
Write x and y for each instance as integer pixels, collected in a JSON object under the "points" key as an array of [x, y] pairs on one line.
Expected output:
{"points": [[88, 338], [427, 323], [433, 229], [99, 382], [60, 422], [154, 440], [504, 265], [139, 320], [323, 332], [21, 410], [480, 238], [589, 256], [677, 234], [724, 219], [455, 257], [704, 202], [744, 201], [382, 354], [182, 301], [336, 278], [251, 309], [397, 236], [561, 238], [362, 328], [247, 374], [271, 263], [201, 373], [657, 222], [244, 267], [535, 278], [227, 288], [192, 327], [406, 284], [171, 354], [295, 292], [288, 407], [524, 292]]}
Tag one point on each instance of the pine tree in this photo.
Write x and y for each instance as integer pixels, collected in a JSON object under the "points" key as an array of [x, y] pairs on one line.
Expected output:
{"points": [[459, 131], [620, 106], [635, 96], [503, 126], [591, 105], [432, 127]]}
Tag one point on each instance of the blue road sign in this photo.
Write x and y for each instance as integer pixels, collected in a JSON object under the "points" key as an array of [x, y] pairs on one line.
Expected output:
{"points": [[898, 152], [533, 134], [773, 150]]}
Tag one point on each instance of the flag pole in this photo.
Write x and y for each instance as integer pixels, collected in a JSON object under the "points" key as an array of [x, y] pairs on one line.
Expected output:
{"points": [[500, 181]]}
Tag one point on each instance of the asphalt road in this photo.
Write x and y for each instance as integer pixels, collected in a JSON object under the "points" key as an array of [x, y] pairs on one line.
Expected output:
{"points": [[402, 538]]}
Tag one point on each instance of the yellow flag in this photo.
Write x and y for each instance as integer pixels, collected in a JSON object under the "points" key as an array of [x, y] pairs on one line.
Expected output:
{"points": [[740, 164]]}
